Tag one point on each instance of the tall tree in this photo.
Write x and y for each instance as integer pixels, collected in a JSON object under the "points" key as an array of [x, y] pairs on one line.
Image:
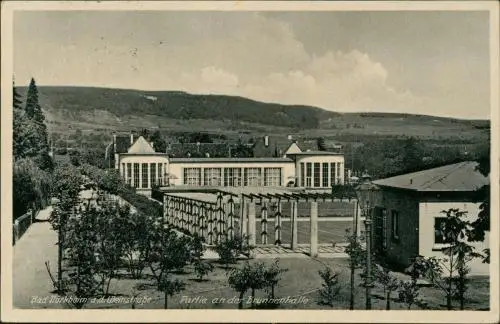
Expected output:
{"points": [[320, 142], [36, 123], [32, 109], [159, 143]]}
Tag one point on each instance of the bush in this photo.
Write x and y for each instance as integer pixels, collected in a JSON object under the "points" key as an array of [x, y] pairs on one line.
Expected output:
{"points": [[330, 287], [30, 187], [230, 249]]}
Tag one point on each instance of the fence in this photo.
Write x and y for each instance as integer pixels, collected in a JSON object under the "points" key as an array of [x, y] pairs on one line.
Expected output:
{"points": [[21, 224]]}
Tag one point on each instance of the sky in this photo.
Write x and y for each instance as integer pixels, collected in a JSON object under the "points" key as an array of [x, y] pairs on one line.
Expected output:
{"points": [[425, 62]]}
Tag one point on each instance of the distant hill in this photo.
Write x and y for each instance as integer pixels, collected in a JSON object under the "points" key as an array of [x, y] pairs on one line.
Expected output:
{"points": [[178, 105], [105, 110]]}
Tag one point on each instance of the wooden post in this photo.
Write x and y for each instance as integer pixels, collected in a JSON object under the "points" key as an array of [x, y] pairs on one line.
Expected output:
{"points": [[277, 224], [243, 224], [293, 223], [251, 223], [314, 229], [210, 233], [230, 218], [263, 222]]}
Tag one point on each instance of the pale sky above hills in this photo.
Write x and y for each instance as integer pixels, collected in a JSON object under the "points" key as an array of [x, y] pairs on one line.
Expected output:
{"points": [[433, 63]]}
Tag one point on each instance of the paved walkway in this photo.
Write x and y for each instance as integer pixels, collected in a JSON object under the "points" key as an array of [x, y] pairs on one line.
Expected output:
{"points": [[30, 276]]}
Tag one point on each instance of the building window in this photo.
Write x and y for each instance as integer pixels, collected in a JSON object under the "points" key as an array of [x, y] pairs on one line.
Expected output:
{"points": [[160, 174], [333, 175], [252, 177], [308, 174], [272, 177], [317, 180], [135, 180], [152, 174], [440, 231], [129, 174], [395, 225], [122, 171], [192, 176], [212, 177], [325, 174], [145, 175], [302, 175], [384, 228], [232, 177]]}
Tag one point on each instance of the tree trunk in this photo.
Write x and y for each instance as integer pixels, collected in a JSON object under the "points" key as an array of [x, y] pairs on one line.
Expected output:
{"points": [[450, 285], [272, 291], [165, 305], [59, 258], [240, 301], [351, 306], [388, 301], [253, 298], [109, 282]]}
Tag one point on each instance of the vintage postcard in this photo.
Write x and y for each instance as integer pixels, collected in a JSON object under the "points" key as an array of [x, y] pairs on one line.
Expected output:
{"points": [[250, 161]]}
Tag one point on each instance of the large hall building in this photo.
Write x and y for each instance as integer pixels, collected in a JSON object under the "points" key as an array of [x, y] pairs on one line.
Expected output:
{"points": [[144, 168]]}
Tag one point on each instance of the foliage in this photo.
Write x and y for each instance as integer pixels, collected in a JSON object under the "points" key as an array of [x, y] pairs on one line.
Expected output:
{"points": [[137, 231], [229, 249], [239, 280], [256, 279], [449, 273], [482, 223], [202, 269], [66, 182], [330, 287], [240, 150], [409, 293], [384, 278], [111, 223], [169, 252], [385, 157], [272, 276], [30, 187], [32, 136], [357, 258], [82, 253], [321, 143]]}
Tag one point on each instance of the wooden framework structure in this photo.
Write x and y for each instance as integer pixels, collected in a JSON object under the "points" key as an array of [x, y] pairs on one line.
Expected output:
{"points": [[220, 213]]}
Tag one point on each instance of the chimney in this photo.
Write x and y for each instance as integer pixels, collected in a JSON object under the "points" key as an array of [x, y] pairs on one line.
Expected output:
{"points": [[266, 141], [114, 143], [131, 138], [290, 137]]}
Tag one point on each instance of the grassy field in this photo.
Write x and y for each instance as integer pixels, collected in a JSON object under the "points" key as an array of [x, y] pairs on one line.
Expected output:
{"points": [[301, 282]]}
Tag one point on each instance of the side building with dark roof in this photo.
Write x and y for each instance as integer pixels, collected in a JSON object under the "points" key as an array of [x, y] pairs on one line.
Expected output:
{"points": [[408, 212]]}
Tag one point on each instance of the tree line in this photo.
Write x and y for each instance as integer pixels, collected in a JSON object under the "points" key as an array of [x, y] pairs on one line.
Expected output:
{"points": [[31, 153]]}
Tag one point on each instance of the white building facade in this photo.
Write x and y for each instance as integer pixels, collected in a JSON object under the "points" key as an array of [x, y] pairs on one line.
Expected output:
{"points": [[143, 168]]}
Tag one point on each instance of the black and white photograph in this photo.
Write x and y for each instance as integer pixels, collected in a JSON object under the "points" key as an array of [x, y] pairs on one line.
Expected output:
{"points": [[250, 158]]}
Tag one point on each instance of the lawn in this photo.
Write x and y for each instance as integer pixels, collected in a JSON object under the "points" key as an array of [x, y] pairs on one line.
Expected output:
{"points": [[299, 286]]}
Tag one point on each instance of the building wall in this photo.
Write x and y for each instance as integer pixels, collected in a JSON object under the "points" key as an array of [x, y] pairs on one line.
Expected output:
{"points": [[294, 148], [429, 210], [140, 160], [177, 169], [302, 181], [398, 250]]}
